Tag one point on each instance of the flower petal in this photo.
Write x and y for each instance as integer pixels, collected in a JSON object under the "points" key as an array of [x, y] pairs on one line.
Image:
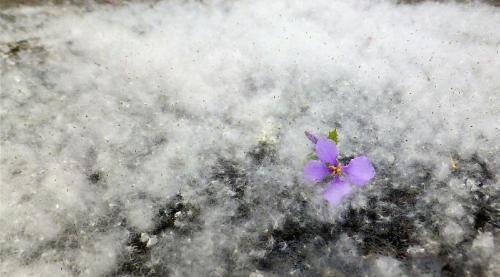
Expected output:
{"points": [[315, 171], [336, 191], [327, 151], [359, 171], [311, 137]]}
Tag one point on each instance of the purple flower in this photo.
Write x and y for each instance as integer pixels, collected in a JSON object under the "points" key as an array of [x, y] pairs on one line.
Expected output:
{"points": [[359, 171], [311, 137]]}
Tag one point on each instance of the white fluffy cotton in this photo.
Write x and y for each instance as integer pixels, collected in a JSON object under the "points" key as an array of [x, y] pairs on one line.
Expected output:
{"points": [[153, 94]]}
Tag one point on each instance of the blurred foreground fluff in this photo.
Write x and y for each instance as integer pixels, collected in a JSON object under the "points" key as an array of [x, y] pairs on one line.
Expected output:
{"points": [[165, 138]]}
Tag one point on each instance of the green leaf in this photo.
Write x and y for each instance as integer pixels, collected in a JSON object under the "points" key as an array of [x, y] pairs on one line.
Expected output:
{"points": [[333, 135], [312, 156]]}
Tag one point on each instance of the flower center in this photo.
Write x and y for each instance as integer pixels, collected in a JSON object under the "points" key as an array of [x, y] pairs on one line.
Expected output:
{"points": [[336, 170]]}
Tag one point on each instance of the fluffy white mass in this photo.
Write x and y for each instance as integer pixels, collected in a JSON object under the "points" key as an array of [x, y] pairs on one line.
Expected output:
{"points": [[110, 112]]}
